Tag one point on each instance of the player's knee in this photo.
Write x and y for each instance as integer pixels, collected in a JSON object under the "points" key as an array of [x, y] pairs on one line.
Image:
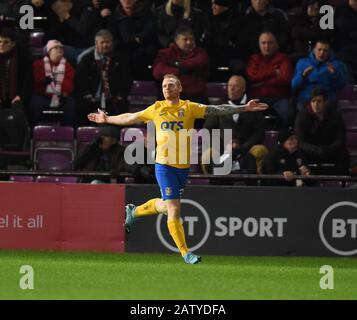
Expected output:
{"points": [[161, 206], [173, 208]]}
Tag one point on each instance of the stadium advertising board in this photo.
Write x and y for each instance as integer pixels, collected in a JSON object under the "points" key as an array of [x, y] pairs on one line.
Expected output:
{"points": [[254, 221], [61, 216]]}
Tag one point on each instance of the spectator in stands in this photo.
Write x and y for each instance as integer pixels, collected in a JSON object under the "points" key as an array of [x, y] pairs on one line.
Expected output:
{"points": [[15, 88], [41, 10], [320, 68], [74, 23], [10, 17], [306, 27], [270, 73], [144, 172], [107, 7], [53, 85], [175, 13], [287, 5], [187, 61], [134, 30], [346, 37], [321, 132], [104, 154], [286, 159], [247, 128], [10, 10], [15, 71], [261, 16], [224, 39], [103, 79], [242, 163]]}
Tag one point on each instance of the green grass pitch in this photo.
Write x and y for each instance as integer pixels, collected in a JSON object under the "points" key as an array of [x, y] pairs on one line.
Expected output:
{"points": [[60, 275]]}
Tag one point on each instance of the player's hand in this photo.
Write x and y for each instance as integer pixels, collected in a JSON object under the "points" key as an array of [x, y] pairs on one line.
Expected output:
{"points": [[288, 175], [99, 117], [255, 105]]}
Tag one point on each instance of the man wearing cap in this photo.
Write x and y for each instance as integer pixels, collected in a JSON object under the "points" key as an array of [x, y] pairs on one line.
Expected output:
{"points": [[286, 159], [53, 84], [104, 154]]}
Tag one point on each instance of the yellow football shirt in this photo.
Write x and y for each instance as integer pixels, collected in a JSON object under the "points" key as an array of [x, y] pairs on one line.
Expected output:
{"points": [[172, 125]]}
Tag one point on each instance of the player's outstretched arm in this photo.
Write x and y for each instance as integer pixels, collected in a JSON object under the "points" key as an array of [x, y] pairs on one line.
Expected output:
{"points": [[125, 119], [224, 109]]}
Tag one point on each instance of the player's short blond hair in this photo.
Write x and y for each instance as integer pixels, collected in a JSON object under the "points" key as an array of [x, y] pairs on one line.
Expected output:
{"points": [[172, 76]]}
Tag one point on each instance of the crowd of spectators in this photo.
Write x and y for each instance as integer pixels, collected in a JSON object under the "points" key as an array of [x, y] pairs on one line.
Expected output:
{"points": [[273, 50]]}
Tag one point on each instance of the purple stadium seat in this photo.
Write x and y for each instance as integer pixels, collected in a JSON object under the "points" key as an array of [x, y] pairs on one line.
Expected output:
{"points": [[351, 141], [351, 137], [129, 135], [36, 38], [350, 119], [331, 184], [336, 3], [21, 178], [348, 93], [53, 133], [271, 138], [53, 147], [144, 88], [53, 179], [143, 93], [53, 160], [347, 104], [37, 42], [198, 181], [217, 89], [85, 135]]}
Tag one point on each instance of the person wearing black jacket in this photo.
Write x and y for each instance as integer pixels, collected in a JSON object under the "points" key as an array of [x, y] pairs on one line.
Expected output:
{"points": [[134, 31], [346, 35], [321, 132], [224, 39], [103, 78], [74, 23], [261, 16], [175, 13], [15, 91], [285, 159], [306, 28], [104, 154]]}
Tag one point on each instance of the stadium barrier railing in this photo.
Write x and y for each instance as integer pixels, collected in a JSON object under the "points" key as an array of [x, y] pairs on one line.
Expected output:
{"points": [[210, 177]]}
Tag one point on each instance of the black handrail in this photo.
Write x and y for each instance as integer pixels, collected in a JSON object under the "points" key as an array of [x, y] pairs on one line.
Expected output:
{"points": [[190, 176]]}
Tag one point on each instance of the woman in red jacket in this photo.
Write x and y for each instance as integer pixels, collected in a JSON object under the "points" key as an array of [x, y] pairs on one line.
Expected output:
{"points": [[53, 85]]}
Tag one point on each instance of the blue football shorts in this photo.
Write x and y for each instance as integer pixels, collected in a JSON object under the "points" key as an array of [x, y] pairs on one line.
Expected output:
{"points": [[171, 180]]}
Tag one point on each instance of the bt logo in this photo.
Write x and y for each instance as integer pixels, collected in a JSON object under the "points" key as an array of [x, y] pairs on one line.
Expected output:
{"points": [[172, 125]]}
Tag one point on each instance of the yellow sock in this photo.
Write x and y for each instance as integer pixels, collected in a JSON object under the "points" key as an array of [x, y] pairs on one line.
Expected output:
{"points": [[178, 234], [146, 209]]}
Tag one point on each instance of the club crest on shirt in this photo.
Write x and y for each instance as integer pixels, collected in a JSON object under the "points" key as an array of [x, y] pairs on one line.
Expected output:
{"points": [[282, 161], [168, 191], [181, 113]]}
